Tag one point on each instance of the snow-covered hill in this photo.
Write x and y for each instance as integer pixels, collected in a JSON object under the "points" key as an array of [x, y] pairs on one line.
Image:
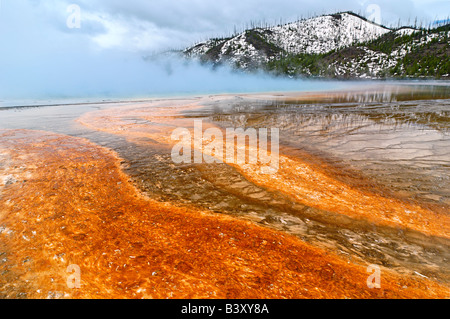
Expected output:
{"points": [[343, 45], [325, 33], [427, 52], [316, 35]]}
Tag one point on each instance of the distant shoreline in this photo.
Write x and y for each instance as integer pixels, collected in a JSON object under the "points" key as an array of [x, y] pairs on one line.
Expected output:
{"points": [[8, 104]]}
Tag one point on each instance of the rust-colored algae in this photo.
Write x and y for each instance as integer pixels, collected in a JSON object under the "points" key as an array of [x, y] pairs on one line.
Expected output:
{"points": [[303, 181], [65, 201]]}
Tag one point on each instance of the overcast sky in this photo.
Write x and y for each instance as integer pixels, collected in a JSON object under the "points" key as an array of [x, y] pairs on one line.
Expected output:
{"points": [[34, 34], [154, 25]]}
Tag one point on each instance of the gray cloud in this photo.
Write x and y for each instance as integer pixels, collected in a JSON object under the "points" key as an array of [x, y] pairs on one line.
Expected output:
{"points": [[41, 56], [205, 17], [163, 24]]}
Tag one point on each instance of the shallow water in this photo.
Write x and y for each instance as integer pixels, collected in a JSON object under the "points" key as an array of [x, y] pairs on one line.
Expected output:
{"points": [[403, 146], [393, 141]]}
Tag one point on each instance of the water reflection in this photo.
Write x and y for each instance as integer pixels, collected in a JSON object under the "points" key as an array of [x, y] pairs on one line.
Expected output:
{"points": [[394, 148], [402, 145], [393, 140]]}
